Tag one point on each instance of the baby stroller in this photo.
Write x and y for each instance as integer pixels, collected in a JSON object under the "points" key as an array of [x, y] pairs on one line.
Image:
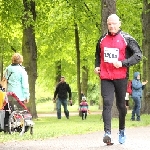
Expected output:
{"points": [[14, 115]]}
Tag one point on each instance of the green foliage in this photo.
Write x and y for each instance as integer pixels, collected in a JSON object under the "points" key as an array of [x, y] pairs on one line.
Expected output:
{"points": [[48, 107], [55, 37], [58, 40], [130, 14], [94, 92], [43, 100], [10, 33], [54, 31]]}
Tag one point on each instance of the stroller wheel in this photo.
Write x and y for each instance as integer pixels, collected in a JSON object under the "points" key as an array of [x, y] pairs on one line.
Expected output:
{"points": [[22, 126], [11, 123], [31, 130], [5, 130], [16, 123]]}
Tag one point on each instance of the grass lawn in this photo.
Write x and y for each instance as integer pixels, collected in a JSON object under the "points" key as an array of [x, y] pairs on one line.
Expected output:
{"points": [[48, 107], [51, 127]]}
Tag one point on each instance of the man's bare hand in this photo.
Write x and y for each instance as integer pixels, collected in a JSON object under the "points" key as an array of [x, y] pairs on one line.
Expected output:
{"points": [[26, 101], [54, 100], [117, 64], [97, 70], [70, 102]]}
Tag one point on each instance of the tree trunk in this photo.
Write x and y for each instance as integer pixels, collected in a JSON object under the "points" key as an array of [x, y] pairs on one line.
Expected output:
{"points": [[108, 8], [29, 51], [1, 65], [84, 80], [146, 53], [58, 71], [58, 76], [78, 62]]}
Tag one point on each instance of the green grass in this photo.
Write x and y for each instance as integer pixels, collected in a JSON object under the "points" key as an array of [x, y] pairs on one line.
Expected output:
{"points": [[51, 127], [48, 107]]}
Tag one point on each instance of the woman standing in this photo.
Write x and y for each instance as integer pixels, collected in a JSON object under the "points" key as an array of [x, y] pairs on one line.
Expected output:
{"points": [[17, 78], [137, 88]]}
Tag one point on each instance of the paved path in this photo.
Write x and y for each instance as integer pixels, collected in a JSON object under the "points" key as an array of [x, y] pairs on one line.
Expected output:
{"points": [[138, 138]]}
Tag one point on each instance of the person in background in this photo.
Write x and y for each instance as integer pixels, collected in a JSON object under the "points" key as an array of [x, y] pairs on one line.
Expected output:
{"points": [[82, 95], [83, 108], [3, 97], [127, 101], [137, 88], [61, 91], [115, 52], [17, 78]]}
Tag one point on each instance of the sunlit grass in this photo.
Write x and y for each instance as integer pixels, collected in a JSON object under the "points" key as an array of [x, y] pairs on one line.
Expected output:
{"points": [[51, 127], [48, 107]]}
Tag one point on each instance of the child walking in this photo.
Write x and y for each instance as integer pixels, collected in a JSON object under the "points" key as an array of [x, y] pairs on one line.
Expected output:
{"points": [[83, 108]]}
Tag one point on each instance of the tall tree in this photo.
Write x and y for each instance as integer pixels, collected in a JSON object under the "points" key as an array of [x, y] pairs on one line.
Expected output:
{"points": [[57, 41], [1, 65], [58, 75], [146, 54], [78, 60], [29, 50], [108, 7], [84, 83]]}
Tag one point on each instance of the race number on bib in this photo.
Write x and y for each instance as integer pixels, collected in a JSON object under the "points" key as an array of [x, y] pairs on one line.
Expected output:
{"points": [[111, 54]]}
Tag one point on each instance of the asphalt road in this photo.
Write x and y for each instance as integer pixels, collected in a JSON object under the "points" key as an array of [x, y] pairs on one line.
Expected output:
{"points": [[138, 138]]}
